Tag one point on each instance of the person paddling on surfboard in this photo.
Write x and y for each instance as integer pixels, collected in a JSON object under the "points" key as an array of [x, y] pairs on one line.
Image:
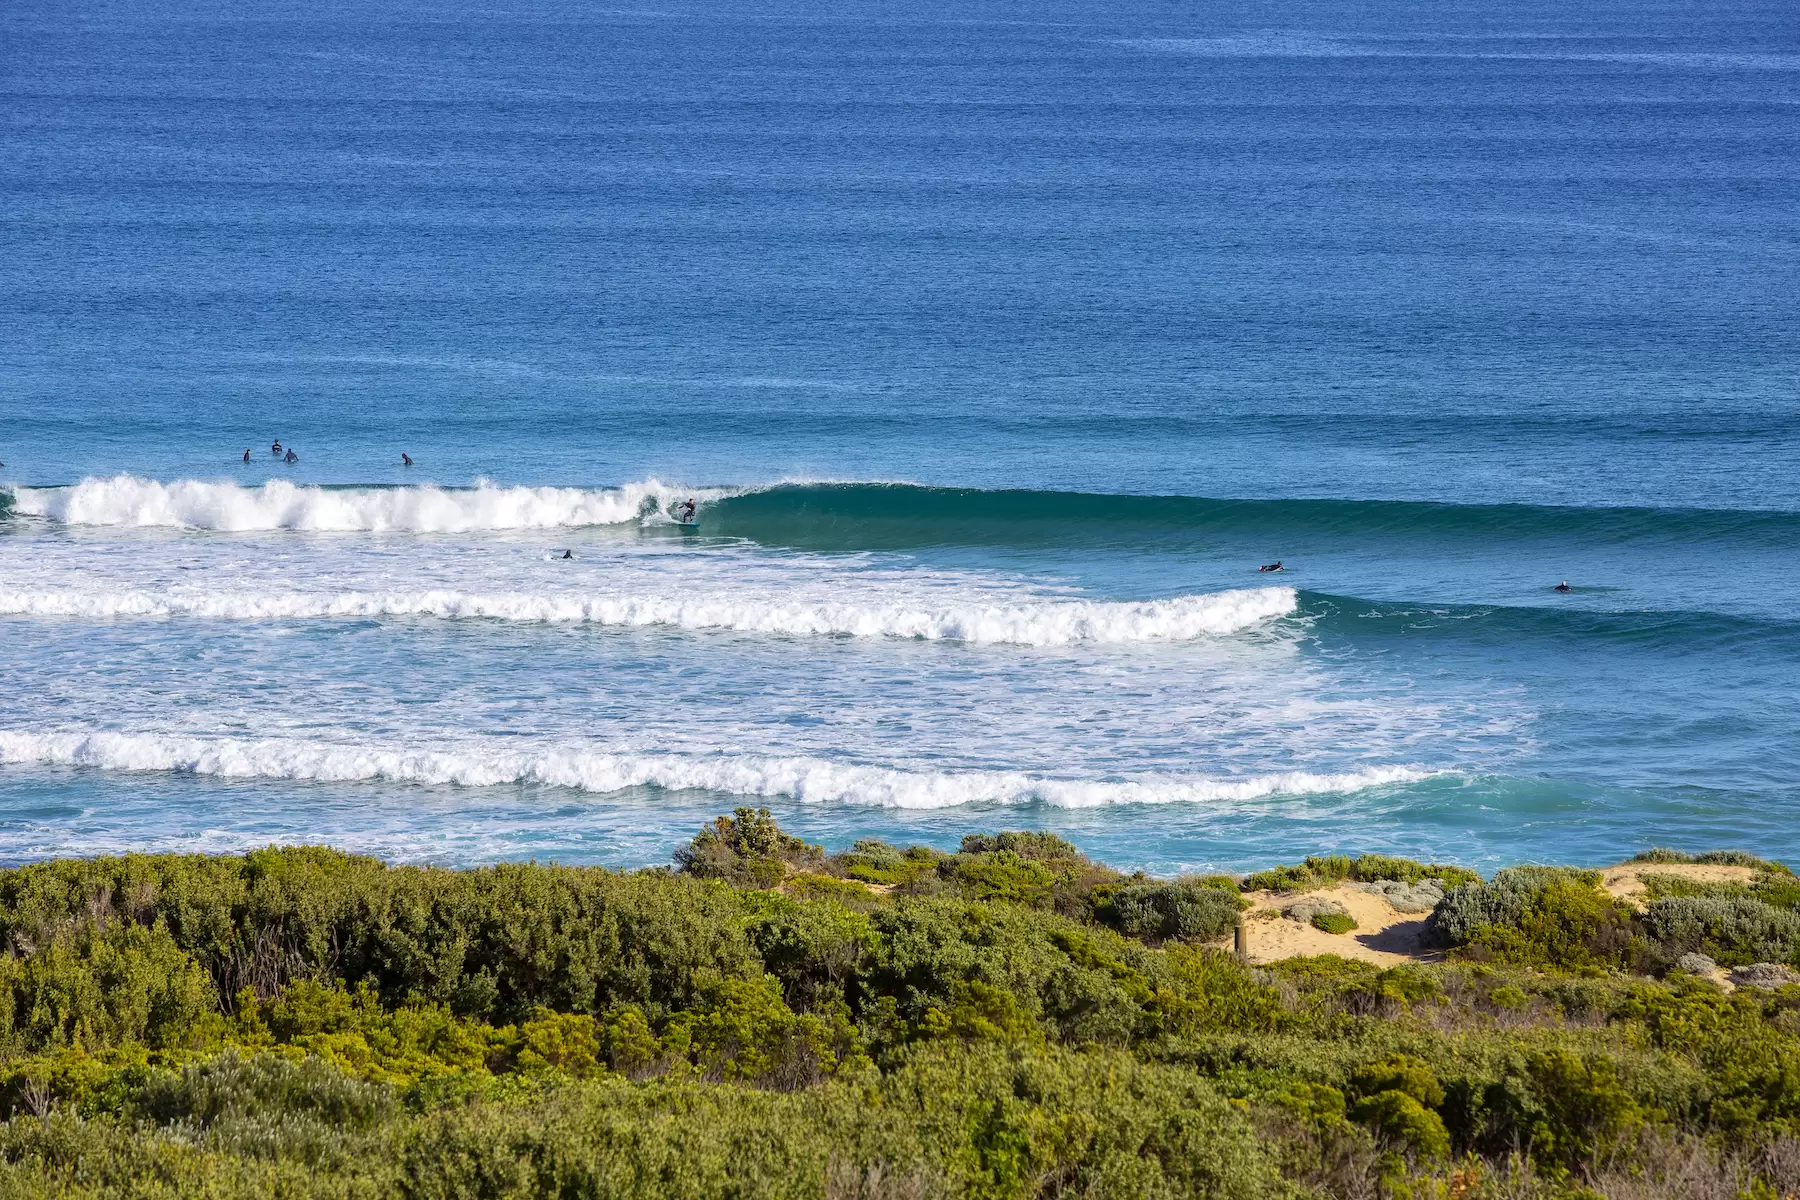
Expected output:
{"points": [[1274, 566]]}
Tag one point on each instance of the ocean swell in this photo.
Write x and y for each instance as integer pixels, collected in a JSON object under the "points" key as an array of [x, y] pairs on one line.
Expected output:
{"points": [[809, 780], [126, 500], [1037, 623]]}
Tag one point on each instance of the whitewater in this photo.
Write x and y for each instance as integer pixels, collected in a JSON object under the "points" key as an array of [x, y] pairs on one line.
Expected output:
{"points": [[803, 779], [225, 507], [1045, 623]]}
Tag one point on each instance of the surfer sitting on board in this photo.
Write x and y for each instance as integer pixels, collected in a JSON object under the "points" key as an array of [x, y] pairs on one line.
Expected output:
{"points": [[1274, 566], [275, 447], [405, 459], [568, 554], [1562, 587]]}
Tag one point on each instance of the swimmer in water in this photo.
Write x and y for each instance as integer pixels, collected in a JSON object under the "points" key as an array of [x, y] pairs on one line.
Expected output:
{"points": [[291, 457], [1562, 587], [275, 447], [568, 554], [1274, 566], [405, 459], [246, 456]]}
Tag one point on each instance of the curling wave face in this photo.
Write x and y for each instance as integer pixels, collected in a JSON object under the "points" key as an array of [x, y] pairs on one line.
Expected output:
{"points": [[126, 500], [804, 779], [1042, 623]]}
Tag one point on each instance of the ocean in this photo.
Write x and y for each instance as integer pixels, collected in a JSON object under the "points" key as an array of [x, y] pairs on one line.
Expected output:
{"points": [[998, 346]]}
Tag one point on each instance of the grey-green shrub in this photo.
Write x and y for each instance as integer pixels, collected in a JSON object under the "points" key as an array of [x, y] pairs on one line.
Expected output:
{"points": [[1733, 930], [1501, 902], [1161, 911]]}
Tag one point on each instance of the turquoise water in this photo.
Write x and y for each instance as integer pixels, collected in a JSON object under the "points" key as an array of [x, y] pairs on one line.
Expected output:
{"points": [[997, 348]]}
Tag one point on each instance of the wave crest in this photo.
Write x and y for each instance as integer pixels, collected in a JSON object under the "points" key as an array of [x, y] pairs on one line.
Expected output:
{"points": [[808, 780], [1040, 623], [126, 500]]}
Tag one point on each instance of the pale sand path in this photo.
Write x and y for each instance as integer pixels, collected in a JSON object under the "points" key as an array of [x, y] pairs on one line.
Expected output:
{"points": [[1388, 938], [1382, 936]]}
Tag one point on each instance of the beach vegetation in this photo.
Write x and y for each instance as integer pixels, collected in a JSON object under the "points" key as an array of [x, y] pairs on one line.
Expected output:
{"points": [[1009, 1020]]}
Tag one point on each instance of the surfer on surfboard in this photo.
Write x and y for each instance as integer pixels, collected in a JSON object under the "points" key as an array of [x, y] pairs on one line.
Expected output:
{"points": [[685, 513], [1562, 587], [1274, 566]]}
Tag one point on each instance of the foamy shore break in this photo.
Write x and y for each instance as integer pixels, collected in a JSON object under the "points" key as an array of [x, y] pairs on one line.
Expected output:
{"points": [[809, 780]]}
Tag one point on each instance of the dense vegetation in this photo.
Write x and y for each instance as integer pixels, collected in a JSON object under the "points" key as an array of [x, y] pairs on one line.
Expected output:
{"points": [[1011, 1020]]}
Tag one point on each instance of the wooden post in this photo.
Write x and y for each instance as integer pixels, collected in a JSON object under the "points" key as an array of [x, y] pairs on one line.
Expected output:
{"points": [[1241, 941]]}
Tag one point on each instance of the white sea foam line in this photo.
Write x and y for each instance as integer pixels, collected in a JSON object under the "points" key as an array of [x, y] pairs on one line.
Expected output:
{"points": [[126, 500], [809, 780], [1042, 623]]}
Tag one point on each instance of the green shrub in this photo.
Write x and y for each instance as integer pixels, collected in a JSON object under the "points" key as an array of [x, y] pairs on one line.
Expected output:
{"points": [[1158, 912], [1662, 855], [1400, 1119], [1740, 858], [1329, 868], [749, 849], [1399, 1073], [1333, 922], [829, 887], [978, 1121], [261, 1086], [1567, 1110], [1036, 845], [876, 862], [1373, 868], [1733, 930], [120, 985], [1278, 879], [1547, 916], [1726, 858]]}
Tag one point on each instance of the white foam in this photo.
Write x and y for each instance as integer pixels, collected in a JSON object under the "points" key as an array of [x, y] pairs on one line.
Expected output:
{"points": [[1031, 623], [126, 500], [806, 779]]}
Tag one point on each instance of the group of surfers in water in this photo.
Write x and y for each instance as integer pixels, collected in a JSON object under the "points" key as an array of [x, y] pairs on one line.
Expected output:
{"points": [[289, 456]]}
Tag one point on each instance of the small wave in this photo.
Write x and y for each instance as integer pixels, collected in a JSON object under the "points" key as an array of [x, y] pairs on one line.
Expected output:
{"points": [[809, 780], [126, 500], [873, 516], [1041, 623]]}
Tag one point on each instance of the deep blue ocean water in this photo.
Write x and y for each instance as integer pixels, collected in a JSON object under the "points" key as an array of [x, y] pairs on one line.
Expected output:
{"points": [[998, 346]]}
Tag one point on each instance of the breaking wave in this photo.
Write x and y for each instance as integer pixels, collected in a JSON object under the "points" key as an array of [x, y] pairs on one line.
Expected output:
{"points": [[809, 780], [1033, 623], [126, 500]]}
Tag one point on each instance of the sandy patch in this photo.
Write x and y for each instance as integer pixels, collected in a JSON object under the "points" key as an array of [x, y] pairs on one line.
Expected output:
{"points": [[1382, 936], [1624, 881]]}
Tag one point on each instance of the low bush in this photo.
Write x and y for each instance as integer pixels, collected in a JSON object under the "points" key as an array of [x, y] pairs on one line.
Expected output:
{"points": [[876, 862], [1333, 922], [1324, 870], [1158, 912], [1543, 916], [1731, 930], [748, 849]]}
